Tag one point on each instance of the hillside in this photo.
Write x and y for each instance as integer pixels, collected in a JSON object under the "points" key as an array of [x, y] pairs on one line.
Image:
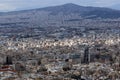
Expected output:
{"points": [[58, 21]]}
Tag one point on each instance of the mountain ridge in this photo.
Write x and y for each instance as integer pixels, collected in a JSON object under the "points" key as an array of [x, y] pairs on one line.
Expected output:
{"points": [[58, 21], [67, 4], [69, 8]]}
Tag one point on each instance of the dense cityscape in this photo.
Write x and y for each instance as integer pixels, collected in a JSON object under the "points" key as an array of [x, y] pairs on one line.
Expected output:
{"points": [[60, 48]]}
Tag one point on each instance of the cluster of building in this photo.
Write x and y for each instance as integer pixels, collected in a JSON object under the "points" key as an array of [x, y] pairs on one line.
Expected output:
{"points": [[91, 57], [75, 62]]}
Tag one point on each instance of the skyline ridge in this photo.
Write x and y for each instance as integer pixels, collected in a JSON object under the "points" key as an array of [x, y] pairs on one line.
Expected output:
{"points": [[65, 5]]}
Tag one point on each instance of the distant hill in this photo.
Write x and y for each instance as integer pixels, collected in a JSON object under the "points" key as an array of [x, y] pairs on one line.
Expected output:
{"points": [[55, 15], [59, 21], [83, 11]]}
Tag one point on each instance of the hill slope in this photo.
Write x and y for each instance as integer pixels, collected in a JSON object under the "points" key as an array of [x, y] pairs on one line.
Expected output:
{"points": [[61, 21], [69, 8]]}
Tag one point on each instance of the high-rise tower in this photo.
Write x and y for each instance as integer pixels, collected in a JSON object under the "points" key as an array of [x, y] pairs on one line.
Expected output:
{"points": [[86, 57], [8, 60]]}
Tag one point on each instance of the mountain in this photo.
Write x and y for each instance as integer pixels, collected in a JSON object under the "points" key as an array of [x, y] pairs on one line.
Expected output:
{"points": [[83, 11], [66, 9], [58, 21]]}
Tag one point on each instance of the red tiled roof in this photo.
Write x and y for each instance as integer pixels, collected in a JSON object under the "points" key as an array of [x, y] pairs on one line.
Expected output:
{"points": [[6, 68]]}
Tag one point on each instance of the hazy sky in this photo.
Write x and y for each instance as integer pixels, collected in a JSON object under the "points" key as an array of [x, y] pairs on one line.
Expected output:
{"points": [[11, 5]]}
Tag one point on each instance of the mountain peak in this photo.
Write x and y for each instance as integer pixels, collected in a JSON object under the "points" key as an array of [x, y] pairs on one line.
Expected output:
{"points": [[70, 4], [65, 9]]}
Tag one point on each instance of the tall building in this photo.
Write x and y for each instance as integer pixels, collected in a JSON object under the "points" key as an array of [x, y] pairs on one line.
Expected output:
{"points": [[8, 60], [86, 57]]}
